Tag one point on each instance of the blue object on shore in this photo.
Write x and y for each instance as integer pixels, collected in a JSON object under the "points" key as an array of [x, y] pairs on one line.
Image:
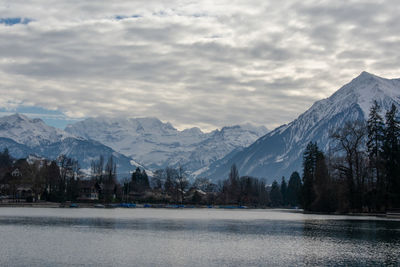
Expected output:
{"points": [[232, 207], [127, 205], [73, 205], [146, 206], [174, 206]]}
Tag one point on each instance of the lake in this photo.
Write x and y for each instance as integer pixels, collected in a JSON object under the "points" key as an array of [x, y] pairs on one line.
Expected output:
{"points": [[193, 237]]}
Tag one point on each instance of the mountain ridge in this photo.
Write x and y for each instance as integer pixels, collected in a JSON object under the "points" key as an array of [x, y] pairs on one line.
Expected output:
{"points": [[24, 136], [279, 152], [191, 148], [155, 144]]}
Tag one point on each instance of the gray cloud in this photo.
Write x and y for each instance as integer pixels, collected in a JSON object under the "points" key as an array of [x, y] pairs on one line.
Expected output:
{"points": [[192, 63]]}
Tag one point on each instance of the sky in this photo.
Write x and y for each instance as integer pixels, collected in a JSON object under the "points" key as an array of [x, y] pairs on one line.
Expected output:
{"points": [[196, 63]]}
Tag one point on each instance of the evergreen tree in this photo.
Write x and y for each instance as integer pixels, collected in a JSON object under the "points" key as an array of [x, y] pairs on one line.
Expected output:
{"points": [[145, 179], [375, 128], [324, 197], [391, 156], [53, 178], [135, 180], [140, 181], [309, 165], [294, 189], [284, 191], [275, 195], [5, 159], [110, 180]]}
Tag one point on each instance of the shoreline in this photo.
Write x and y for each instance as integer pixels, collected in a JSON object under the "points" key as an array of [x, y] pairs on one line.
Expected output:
{"points": [[171, 206]]}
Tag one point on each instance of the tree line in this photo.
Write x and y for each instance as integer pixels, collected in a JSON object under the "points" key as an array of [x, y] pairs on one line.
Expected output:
{"points": [[55, 180], [60, 180], [360, 172]]}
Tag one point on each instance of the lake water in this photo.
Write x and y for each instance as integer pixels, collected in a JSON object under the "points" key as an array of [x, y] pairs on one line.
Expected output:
{"points": [[193, 237]]}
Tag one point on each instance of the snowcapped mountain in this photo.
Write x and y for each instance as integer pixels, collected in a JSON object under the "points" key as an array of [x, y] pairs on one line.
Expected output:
{"points": [[220, 143], [31, 132], [24, 136], [149, 141], [156, 144], [279, 152], [17, 150]]}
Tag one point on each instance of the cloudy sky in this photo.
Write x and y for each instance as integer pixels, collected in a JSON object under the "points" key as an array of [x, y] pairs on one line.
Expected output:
{"points": [[192, 63]]}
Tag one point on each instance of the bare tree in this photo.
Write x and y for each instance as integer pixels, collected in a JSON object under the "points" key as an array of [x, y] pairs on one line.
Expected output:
{"points": [[350, 140], [181, 183]]}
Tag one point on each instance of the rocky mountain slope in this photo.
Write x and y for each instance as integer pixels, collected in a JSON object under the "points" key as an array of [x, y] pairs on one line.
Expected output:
{"points": [[156, 144], [24, 136], [145, 142], [280, 152]]}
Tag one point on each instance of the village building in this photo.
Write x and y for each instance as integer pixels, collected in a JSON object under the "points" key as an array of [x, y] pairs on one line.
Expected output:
{"points": [[16, 173], [88, 190]]}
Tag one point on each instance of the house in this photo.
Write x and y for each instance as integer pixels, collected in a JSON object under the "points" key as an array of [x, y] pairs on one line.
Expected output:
{"points": [[16, 173], [195, 195], [24, 191], [88, 190]]}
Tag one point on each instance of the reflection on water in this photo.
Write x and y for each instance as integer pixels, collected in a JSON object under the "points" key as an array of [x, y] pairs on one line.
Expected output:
{"points": [[158, 237]]}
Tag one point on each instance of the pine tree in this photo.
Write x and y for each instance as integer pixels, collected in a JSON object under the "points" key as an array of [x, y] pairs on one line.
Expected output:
{"points": [[284, 191], [275, 195], [391, 153], [146, 182], [294, 190], [324, 197], [309, 165], [375, 127], [135, 180], [5, 159], [53, 177]]}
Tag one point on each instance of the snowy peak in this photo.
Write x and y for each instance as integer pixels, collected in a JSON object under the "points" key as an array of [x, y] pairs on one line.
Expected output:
{"points": [[19, 119], [24, 136], [360, 92], [156, 144], [366, 76], [280, 152], [193, 131], [30, 132], [366, 88]]}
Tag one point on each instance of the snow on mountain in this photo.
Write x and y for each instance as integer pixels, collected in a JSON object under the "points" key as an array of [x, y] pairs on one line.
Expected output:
{"points": [[24, 136], [220, 143], [156, 144], [133, 142], [17, 150], [31, 132], [280, 152]]}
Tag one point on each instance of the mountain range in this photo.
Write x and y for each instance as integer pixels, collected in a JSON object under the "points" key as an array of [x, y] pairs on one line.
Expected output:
{"points": [[24, 136], [133, 142], [152, 144], [155, 144]]}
